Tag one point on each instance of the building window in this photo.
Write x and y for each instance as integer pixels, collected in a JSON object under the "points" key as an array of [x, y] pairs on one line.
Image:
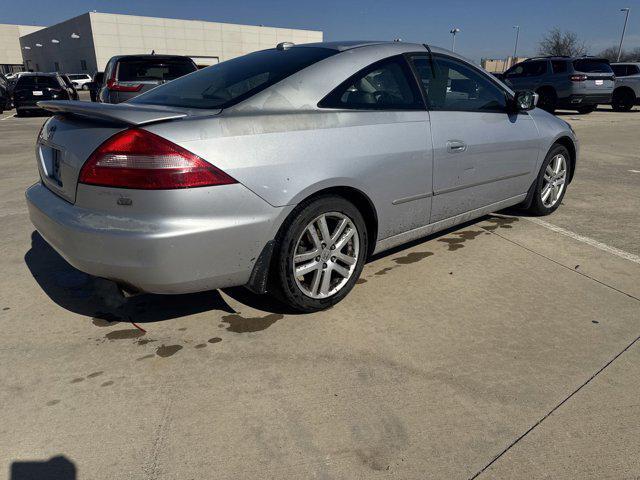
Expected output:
{"points": [[56, 66], [83, 65]]}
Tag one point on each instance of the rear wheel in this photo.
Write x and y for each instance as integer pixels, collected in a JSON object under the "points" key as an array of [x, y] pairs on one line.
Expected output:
{"points": [[623, 100], [547, 99], [587, 109], [551, 183], [319, 253]]}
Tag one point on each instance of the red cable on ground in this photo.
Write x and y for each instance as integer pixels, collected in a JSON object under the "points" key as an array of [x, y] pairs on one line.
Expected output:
{"points": [[138, 327]]}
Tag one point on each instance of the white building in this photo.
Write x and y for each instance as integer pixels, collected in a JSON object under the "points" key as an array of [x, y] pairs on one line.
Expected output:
{"points": [[85, 43], [10, 55]]}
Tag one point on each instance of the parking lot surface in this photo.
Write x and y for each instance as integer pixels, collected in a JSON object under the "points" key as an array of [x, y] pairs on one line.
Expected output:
{"points": [[505, 348]]}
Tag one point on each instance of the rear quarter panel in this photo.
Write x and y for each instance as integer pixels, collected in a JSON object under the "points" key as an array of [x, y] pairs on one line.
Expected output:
{"points": [[286, 157]]}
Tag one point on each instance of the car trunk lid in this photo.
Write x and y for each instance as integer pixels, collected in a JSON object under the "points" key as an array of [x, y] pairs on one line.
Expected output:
{"points": [[69, 138]]}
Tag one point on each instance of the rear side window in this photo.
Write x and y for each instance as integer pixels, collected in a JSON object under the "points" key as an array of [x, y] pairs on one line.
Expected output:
{"points": [[32, 81], [592, 66], [131, 70], [385, 85], [559, 66], [230, 82]]}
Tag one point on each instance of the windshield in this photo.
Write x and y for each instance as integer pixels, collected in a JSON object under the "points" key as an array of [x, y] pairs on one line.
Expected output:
{"points": [[161, 70], [230, 82], [592, 66]]}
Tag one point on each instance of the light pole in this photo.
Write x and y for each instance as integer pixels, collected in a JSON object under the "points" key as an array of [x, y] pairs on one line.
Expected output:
{"points": [[515, 49], [624, 29], [453, 32]]}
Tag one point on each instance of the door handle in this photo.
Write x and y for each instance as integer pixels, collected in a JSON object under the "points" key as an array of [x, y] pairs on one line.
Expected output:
{"points": [[456, 146]]}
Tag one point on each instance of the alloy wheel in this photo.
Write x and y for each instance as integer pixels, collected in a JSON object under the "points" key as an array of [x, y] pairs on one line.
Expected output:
{"points": [[555, 177], [325, 255]]}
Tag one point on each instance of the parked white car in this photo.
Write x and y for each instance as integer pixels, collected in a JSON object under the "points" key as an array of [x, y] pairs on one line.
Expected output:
{"points": [[627, 89], [80, 80]]}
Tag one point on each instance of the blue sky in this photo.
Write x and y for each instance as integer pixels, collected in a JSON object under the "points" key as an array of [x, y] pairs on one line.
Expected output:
{"points": [[486, 24]]}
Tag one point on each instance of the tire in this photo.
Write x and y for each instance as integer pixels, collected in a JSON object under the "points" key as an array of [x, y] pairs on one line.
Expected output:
{"points": [[587, 109], [539, 205], [623, 100], [84, 87], [547, 100], [19, 113], [297, 291]]}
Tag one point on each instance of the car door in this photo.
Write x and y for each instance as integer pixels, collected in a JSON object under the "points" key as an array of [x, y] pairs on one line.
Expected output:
{"points": [[483, 153], [385, 134]]}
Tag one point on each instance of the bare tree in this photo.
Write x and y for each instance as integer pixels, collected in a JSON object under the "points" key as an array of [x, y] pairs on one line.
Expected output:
{"points": [[611, 54], [557, 42]]}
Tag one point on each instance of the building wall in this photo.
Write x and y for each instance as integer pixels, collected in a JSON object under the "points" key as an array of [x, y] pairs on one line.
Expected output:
{"points": [[500, 65], [10, 54], [103, 35], [212, 41], [69, 53]]}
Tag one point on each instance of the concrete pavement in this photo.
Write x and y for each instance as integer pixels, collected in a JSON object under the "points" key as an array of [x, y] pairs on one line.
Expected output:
{"points": [[437, 365]]}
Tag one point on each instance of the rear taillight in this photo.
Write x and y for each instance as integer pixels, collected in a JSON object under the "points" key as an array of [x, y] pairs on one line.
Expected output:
{"points": [[122, 87], [577, 78], [140, 159]]}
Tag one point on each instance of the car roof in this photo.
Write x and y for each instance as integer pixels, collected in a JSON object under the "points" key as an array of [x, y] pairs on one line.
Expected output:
{"points": [[151, 56], [39, 74]]}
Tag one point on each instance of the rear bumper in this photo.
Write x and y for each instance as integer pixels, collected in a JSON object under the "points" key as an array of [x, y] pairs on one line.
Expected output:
{"points": [[165, 254], [578, 100]]}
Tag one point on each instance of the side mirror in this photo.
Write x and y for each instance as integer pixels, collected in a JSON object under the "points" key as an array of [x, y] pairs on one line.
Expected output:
{"points": [[525, 100]]}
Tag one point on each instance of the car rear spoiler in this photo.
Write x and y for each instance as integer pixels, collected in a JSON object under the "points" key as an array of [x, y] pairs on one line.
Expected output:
{"points": [[126, 113]]}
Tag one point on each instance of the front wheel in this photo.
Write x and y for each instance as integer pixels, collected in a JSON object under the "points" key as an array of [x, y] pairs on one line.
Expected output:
{"points": [[319, 253], [551, 183]]}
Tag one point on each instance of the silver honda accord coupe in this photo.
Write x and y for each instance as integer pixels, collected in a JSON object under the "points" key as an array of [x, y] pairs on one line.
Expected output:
{"points": [[285, 169]]}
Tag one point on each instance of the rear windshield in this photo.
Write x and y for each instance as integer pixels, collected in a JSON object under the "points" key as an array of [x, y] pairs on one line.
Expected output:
{"points": [[230, 82], [28, 81], [131, 70], [592, 66]]}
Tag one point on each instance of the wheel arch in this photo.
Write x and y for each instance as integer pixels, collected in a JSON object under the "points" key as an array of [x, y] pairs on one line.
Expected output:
{"points": [[625, 88], [567, 143], [258, 280]]}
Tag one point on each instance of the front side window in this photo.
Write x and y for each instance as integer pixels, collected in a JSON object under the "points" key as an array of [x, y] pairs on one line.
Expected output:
{"points": [[230, 82], [452, 85], [385, 85]]}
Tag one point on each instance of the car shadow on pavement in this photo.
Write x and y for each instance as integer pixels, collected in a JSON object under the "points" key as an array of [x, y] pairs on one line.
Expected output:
{"points": [[99, 298], [59, 467]]}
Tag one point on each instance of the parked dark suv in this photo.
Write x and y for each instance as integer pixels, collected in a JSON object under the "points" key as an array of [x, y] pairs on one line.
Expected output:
{"points": [[564, 82], [128, 76], [33, 87], [5, 94]]}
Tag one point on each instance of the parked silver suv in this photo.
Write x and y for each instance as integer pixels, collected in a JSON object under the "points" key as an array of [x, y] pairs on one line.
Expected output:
{"points": [[127, 76], [564, 82], [627, 88]]}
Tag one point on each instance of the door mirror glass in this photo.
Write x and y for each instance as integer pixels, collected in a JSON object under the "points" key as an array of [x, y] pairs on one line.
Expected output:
{"points": [[525, 100]]}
